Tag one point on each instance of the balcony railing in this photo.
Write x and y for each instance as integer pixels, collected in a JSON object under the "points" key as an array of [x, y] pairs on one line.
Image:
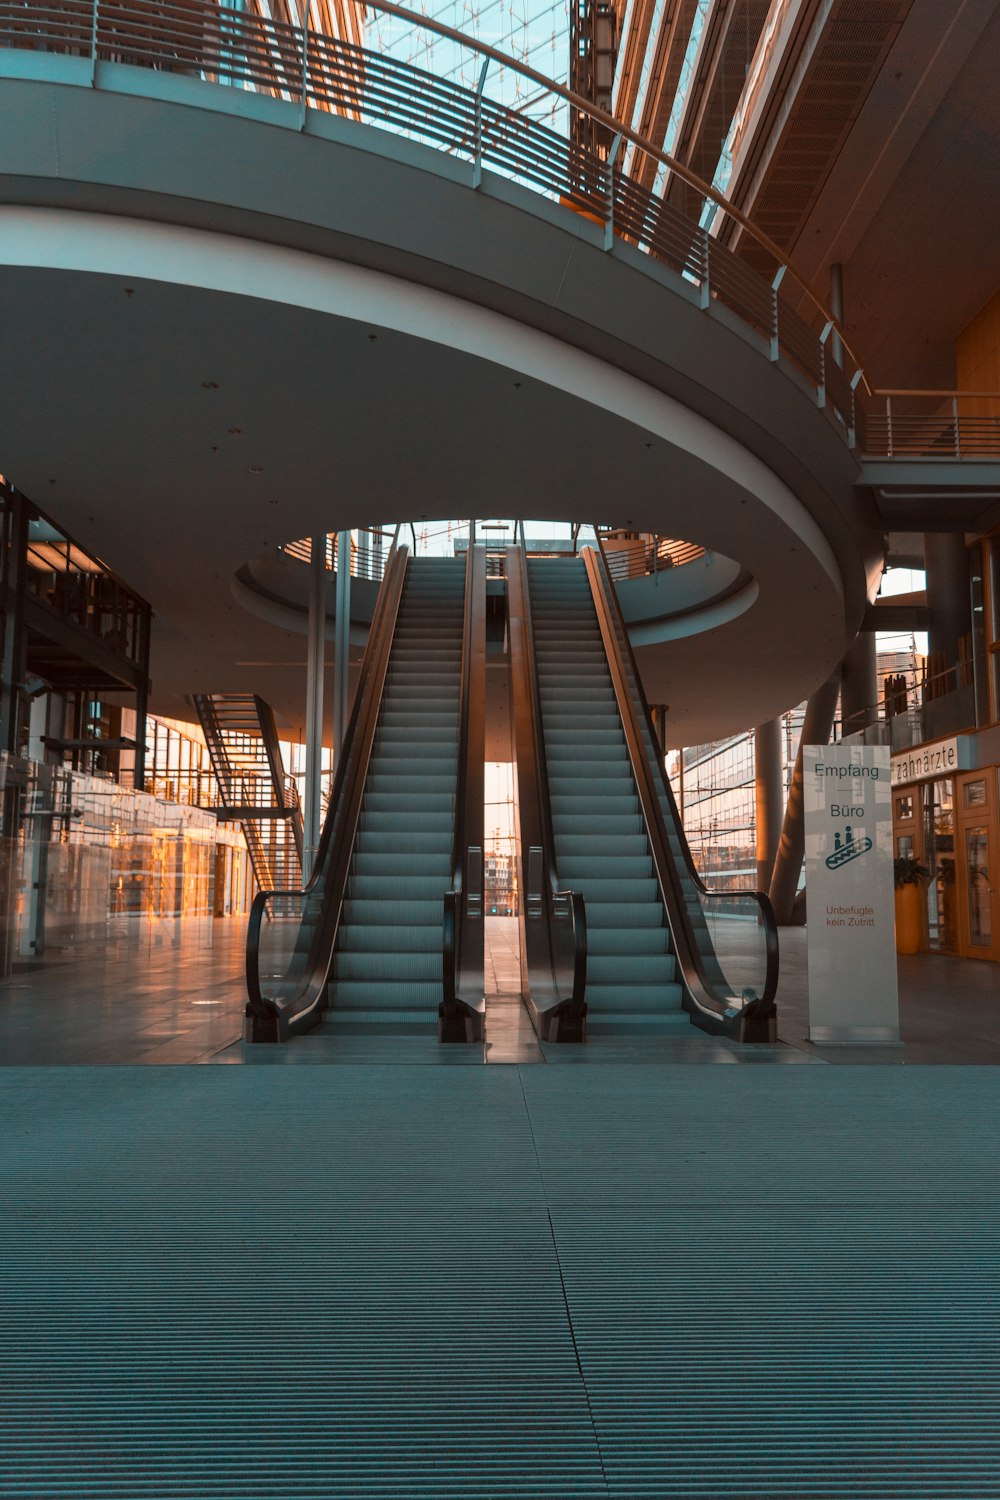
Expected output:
{"points": [[731, 267], [930, 424], [632, 555], [369, 550], [916, 706]]}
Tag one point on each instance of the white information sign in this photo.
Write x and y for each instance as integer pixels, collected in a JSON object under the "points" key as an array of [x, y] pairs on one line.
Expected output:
{"points": [[847, 798]]}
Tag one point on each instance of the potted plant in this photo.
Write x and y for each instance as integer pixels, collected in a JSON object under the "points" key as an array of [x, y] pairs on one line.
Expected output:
{"points": [[909, 875]]}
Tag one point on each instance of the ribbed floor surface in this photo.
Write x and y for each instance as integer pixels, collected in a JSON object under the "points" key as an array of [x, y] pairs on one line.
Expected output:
{"points": [[410, 1282]]}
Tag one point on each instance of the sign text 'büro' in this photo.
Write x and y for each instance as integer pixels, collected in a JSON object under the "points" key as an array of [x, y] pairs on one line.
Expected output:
{"points": [[847, 797]]}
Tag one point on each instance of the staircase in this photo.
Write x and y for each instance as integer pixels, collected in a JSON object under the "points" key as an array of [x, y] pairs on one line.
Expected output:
{"points": [[601, 845], [254, 791], [387, 966]]}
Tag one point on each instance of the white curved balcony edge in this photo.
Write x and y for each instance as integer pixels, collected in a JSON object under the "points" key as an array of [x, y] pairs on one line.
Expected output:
{"points": [[512, 356]]}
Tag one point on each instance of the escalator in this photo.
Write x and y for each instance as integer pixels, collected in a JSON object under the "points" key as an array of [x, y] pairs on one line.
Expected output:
{"points": [[388, 932], [655, 950]]}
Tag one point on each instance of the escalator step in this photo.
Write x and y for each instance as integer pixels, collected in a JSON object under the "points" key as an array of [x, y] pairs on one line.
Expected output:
{"points": [[581, 845], [389, 862], [406, 914], [608, 913], [386, 967], [580, 870], [387, 995], [387, 842], [603, 941], [634, 998], [625, 894], [384, 794], [648, 969], [397, 887], [588, 825], [370, 937]]}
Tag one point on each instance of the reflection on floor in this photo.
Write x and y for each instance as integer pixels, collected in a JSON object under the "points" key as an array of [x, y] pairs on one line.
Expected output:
{"points": [[165, 992], [510, 1036], [173, 992]]}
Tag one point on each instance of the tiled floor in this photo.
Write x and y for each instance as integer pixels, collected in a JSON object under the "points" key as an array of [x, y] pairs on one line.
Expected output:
{"points": [[174, 993]]}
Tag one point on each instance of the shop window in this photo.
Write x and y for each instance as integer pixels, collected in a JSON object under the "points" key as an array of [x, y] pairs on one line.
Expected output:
{"points": [[939, 857], [977, 871], [904, 807], [974, 793]]}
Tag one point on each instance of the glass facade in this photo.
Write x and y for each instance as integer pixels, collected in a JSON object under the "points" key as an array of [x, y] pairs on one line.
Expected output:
{"points": [[83, 860], [715, 788]]}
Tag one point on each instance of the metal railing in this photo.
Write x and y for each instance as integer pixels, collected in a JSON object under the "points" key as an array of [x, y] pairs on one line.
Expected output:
{"points": [[369, 549], [631, 555], [931, 424], [918, 704], [732, 266]]}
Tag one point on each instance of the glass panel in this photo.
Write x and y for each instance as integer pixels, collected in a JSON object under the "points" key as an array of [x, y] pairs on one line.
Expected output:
{"points": [[904, 847], [974, 793], [939, 856], [84, 862], [904, 807], [977, 866]]}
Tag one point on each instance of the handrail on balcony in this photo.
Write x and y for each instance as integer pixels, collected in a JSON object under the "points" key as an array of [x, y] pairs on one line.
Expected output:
{"points": [[933, 425], [298, 64], [731, 264], [635, 554]]}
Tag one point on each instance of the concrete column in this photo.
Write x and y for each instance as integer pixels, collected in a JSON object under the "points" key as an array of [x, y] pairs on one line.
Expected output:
{"points": [[769, 797], [315, 661], [791, 846], [342, 646], [859, 684], [947, 600]]}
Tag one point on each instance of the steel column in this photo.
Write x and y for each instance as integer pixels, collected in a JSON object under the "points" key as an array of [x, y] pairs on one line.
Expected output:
{"points": [[769, 793]]}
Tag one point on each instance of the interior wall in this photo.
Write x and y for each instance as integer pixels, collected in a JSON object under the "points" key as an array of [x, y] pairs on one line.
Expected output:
{"points": [[977, 358]]}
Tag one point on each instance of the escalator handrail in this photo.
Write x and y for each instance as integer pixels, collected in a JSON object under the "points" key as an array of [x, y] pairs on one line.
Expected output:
{"points": [[535, 784], [461, 978], [621, 658], [689, 865], [329, 875]]}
